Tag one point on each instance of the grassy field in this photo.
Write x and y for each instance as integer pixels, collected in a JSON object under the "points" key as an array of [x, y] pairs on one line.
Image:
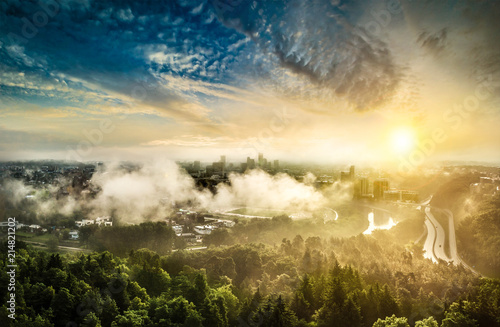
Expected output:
{"points": [[40, 242]]}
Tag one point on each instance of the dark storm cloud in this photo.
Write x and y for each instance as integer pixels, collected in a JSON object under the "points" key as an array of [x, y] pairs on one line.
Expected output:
{"points": [[331, 41], [324, 40]]}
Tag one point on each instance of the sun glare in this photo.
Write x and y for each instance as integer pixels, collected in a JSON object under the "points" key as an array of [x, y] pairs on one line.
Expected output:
{"points": [[403, 140]]}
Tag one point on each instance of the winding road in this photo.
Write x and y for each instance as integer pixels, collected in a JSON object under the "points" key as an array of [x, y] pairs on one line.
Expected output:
{"points": [[434, 245], [436, 238], [429, 241]]}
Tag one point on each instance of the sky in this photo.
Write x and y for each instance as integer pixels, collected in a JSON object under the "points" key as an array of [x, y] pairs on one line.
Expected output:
{"points": [[406, 82]]}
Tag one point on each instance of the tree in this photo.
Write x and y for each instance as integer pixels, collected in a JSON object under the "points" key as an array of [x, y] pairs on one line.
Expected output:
{"points": [[388, 304], [213, 312], [303, 300], [154, 281], [456, 316], [109, 311], [339, 309], [145, 258], [231, 302], [392, 321], [218, 237], [369, 306], [39, 296], [280, 315], [65, 234], [199, 291], [131, 318], [41, 322], [53, 243], [429, 322], [85, 232], [63, 306], [91, 320], [183, 313]]}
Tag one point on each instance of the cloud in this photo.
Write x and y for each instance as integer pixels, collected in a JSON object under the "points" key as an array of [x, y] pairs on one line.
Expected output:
{"points": [[320, 40], [219, 68], [150, 192], [42, 202], [97, 46], [188, 141], [12, 139], [261, 190], [434, 42]]}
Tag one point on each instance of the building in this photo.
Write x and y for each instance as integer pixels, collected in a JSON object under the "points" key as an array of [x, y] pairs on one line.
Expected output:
{"points": [[197, 166], [361, 188], [84, 222], [392, 195], [409, 196], [209, 171], [379, 187], [105, 221], [261, 159], [348, 176], [177, 229], [218, 168], [73, 235], [250, 163], [276, 165], [401, 195], [344, 177], [204, 230], [189, 237], [223, 161]]}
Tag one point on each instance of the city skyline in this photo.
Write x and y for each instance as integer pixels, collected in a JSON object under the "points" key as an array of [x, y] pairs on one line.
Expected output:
{"points": [[396, 82]]}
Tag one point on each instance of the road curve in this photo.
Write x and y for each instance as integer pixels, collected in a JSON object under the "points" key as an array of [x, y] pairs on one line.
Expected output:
{"points": [[440, 239], [453, 243], [429, 241]]}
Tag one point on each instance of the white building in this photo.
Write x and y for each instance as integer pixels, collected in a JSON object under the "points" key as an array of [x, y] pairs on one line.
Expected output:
{"points": [[204, 230], [101, 221], [84, 222], [74, 235], [177, 229], [106, 221]]}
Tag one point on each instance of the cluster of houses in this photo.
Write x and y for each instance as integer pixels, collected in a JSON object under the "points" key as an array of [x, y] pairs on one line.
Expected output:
{"points": [[73, 235], [101, 221], [31, 228], [487, 187], [201, 230], [210, 224]]}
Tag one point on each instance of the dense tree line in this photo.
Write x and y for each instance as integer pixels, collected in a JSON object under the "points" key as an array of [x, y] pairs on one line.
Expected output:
{"points": [[353, 221], [478, 237], [120, 240], [265, 272], [311, 282]]}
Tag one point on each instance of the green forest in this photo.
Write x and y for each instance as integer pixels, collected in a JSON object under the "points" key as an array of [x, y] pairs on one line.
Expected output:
{"points": [[134, 280], [479, 237]]}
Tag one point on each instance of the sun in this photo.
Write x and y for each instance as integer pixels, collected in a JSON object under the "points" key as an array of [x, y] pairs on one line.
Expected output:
{"points": [[403, 139]]}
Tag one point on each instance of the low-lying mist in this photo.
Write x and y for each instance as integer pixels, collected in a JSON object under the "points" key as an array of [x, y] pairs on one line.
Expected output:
{"points": [[152, 191]]}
